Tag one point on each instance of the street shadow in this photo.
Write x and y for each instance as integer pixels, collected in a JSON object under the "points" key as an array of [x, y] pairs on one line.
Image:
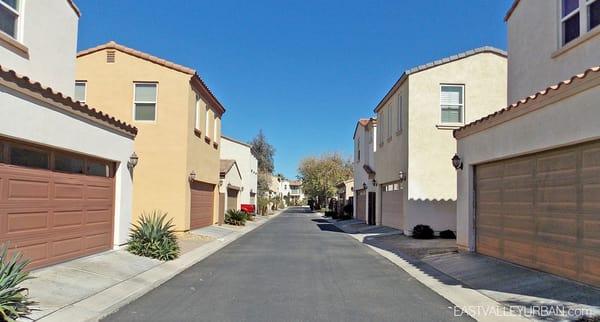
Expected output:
{"points": [[320, 220], [330, 227]]}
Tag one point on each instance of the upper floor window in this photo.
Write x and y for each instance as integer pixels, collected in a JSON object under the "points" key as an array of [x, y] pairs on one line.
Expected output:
{"points": [[380, 130], [358, 150], [452, 103], [389, 118], [216, 128], [9, 17], [198, 113], [145, 98], [207, 122], [399, 106], [577, 16], [80, 91]]}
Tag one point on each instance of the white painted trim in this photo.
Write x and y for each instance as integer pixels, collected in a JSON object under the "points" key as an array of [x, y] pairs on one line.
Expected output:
{"points": [[462, 105], [84, 90], [146, 102]]}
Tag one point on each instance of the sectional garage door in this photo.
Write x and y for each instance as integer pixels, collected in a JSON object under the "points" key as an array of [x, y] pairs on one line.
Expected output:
{"points": [[392, 214], [53, 206], [361, 205], [543, 211], [202, 199]]}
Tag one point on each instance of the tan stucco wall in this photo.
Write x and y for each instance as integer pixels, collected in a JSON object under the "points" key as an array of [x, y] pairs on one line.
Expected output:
{"points": [[572, 120], [533, 36], [168, 149]]}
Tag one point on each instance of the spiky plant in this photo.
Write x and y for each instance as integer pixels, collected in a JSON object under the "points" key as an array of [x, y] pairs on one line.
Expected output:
{"points": [[235, 217], [153, 236], [14, 299]]}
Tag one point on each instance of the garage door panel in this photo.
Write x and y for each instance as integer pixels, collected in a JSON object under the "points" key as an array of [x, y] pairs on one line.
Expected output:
{"points": [[68, 191], [28, 189], [391, 207], [543, 211], [361, 205], [26, 222], [201, 208], [66, 246], [68, 218], [97, 241]]}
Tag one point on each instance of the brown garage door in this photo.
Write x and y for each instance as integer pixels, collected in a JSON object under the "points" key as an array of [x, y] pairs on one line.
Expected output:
{"points": [[361, 205], [392, 214], [53, 216], [543, 211], [232, 197], [201, 210]]}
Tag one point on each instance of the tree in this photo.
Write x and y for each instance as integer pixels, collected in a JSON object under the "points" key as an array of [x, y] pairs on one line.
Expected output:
{"points": [[320, 175], [263, 152]]}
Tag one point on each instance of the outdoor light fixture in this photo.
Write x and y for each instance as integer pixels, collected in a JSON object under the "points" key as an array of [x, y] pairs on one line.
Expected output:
{"points": [[220, 182], [364, 185], [192, 176], [457, 162], [133, 161], [374, 183], [402, 176]]}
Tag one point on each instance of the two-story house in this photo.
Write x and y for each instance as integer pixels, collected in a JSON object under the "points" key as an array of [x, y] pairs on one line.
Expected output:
{"points": [[296, 193], [529, 174], [365, 186], [230, 187], [179, 122], [417, 184], [65, 181], [248, 166]]}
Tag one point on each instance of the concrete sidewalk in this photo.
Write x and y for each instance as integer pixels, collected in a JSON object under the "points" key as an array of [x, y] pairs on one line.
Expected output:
{"points": [[530, 293], [89, 288]]}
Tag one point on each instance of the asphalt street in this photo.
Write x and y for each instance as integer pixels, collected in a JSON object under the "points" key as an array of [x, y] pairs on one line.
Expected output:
{"points": [[297, 267]]}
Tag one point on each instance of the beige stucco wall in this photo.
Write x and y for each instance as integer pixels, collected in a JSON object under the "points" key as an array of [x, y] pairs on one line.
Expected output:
{"points": [[422, 149], [168, 148], [533, 37], [572, 120]]}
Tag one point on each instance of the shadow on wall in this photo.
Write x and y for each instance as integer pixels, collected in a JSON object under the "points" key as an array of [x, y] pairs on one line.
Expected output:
{"points": [[438, 214]]}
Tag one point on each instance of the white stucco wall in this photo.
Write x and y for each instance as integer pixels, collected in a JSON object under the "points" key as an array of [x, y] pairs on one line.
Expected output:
{"points": [[49, 31], [247, 163], [234, 178], [367, 138], [29, 120], [572, 120], [533, 38]]}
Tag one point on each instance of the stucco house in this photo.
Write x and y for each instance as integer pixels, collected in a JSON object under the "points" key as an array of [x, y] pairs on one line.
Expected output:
{"points": [[345, 194], [296, 193], [365, 189], [179, 122], [65, 184], [230, 187], [416, 182], [248, 166], [528, 185]]}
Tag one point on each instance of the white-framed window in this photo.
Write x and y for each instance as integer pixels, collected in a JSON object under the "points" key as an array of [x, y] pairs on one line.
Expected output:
{"points": [[577, 17], [357, 149], [399, 110], [9, 17], [215, 127], [198, 113], [80, 91], [452, 103], [380, 123], [207, 121], [145, 101], [389, 119]]}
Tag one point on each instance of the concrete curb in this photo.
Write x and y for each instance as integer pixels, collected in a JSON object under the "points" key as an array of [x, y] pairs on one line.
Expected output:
{"points": [[108, 301], [469, 301]]}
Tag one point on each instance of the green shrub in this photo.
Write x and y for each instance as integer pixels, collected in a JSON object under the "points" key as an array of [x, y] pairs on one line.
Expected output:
{"points": [[235, 217], [153, 236], [14, 299], [422, 232], [447, 234]]}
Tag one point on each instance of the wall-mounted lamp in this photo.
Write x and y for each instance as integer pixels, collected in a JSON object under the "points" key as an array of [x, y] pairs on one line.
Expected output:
{"points": [[364, 185], [133, 161], [192, 176], [457, 162], [220, 182], [374, 183], [402, 176]]}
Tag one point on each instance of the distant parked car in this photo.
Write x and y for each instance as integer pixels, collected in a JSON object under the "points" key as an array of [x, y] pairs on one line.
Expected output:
{"points": [[248, 208]]}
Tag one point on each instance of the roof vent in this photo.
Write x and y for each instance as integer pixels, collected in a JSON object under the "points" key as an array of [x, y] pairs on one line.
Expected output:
{"points": [[110, 56]]}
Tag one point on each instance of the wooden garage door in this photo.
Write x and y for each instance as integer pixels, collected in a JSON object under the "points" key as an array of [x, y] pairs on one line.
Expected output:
{"points": [[53, 216], [232, 197], [543, 211], [361, 205], [201, 210], [391, 205]]}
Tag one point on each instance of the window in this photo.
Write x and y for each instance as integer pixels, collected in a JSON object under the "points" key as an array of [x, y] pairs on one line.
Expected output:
{"points": [[381, 122], [199, 107], [145, 102], [593, 14], [215, 127], [28, 157], [207, 121], [9, 17], [399, 111], [1, 152], [98, 169], [358, 150], [578, 16], [65, 163], [452, 103], [80, 91], [389, 118]]}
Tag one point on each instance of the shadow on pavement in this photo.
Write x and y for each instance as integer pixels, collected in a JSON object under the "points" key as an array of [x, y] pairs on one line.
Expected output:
{"points": [[329, 227]]}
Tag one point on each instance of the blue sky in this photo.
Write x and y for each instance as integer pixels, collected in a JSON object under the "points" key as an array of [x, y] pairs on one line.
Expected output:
{"points": [[304, 71]]}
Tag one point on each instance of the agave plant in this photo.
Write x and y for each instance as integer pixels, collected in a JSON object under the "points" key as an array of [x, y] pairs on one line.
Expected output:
{"points": [[153, 236], [14, 299], [235, 217]]}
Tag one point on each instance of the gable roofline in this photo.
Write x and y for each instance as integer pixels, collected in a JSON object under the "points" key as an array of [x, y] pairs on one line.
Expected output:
{"points": [[511, 10], [24, 85], [590, 77], [361, 122], [225, 166], [195, 80], [74, 7], [235, 141], [437, 63]]}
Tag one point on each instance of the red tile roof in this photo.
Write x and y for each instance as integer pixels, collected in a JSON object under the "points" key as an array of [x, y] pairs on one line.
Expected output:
{"points": [[196, 80], [74, 107], [514, 108]]}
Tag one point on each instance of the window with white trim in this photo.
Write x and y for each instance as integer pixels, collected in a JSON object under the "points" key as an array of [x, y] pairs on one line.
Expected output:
{"points": [[380, 122], [9, 17], [215, 127], [578, 17], [80, 91], [452, 103], [144, 104], [198, 113], [390, 117], [207, 121], [399, 110]]}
